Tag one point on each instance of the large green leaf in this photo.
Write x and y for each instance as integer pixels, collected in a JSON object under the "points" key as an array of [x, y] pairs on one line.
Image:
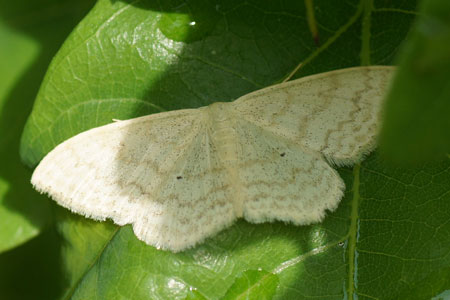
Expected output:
{"points": [[389, 234]]}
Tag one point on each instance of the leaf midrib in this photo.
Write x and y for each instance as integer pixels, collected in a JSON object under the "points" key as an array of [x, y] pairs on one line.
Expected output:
{"points": [[352, 234]]}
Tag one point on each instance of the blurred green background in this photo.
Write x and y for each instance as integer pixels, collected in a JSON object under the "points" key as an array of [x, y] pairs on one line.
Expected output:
{"points": [[31, 32]]}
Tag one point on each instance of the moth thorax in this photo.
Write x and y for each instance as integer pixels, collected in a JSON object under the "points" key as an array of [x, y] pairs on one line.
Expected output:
{"points": [[222, 124], [223, 133]]}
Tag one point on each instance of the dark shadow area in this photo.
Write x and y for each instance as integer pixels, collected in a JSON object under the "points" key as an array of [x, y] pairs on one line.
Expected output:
{"points": [[213, 65], [33, 270]]}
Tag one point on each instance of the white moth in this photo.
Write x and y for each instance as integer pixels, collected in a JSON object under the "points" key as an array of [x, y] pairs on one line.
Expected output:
{"points": [[179, 177]]}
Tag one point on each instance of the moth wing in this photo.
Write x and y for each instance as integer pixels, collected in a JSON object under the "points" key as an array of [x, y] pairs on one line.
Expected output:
{"points": [[280, 180], [157, 172], [336, 113]]}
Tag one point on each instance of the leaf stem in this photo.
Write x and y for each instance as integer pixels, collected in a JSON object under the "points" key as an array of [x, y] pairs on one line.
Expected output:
{"points": [[327, 43]]}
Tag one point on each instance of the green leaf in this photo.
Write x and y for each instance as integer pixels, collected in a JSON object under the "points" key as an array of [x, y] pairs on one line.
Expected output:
{"points": [[127, 59], [194, 295], [431, 285], [402, 232], [417, 123], [253, 284], [32, 270]]}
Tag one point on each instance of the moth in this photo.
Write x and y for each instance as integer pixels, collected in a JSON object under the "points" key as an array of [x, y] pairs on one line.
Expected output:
{"points": [[181, 176]]}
